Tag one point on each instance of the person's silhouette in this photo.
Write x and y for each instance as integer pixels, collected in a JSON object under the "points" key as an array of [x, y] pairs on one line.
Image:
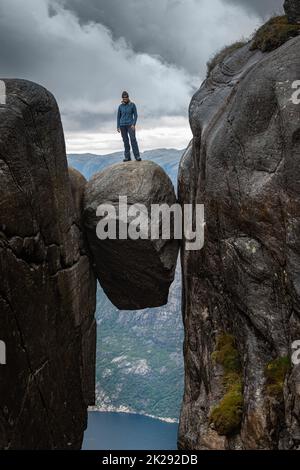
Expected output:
{"points": [[126, 121]]}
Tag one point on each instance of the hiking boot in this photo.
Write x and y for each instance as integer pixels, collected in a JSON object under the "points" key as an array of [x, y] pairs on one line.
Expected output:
{"points": [[138, 159], [127, 160]]}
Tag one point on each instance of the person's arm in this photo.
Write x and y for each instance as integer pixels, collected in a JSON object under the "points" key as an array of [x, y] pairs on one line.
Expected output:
{"points": [[118, 117], [135, 114]]}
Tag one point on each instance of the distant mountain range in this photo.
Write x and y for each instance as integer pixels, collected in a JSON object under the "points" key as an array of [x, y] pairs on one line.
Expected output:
{"points": [[139, 353], [88, 164]]}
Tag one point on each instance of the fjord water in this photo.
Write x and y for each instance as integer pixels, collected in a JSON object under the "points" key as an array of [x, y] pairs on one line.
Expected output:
{"points": [[124, 431]]}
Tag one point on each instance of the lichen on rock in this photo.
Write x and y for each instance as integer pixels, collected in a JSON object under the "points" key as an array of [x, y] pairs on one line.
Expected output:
{"points": [[275, 372]]}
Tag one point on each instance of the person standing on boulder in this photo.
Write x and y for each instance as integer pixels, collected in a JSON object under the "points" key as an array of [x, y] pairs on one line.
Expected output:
{"points": [[126, 121]]}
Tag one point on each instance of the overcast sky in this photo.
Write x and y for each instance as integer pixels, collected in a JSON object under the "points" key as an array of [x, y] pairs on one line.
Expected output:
{"points": [[87, 52]]}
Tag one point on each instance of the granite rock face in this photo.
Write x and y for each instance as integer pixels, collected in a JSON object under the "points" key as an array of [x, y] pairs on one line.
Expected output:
{"points": [[47, 285], [292, 10], [134, 273], [243, 164], [78, 183]]}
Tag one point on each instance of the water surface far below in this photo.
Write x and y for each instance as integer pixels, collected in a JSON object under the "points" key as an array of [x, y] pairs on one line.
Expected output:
{"points": [[125, 431]]}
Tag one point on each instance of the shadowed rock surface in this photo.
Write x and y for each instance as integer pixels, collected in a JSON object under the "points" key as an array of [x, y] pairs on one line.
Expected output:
{"points": [[243, 164], [47, 286], [78, 183], [134, 274], [292, 10]]}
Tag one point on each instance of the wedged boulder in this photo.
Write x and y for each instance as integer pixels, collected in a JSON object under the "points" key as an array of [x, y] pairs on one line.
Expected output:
{"points": [[292, 10], [134, 274], [241, 294], [47, 285]]}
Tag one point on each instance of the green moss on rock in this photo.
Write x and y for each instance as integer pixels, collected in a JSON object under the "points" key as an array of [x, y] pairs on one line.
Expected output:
{"points": [[227, 415], [274, 33], [226, 353], [275, 372]]}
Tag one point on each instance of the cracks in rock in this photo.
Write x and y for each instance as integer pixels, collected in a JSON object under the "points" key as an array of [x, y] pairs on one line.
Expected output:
{"points": [[20, 189], [38, 141], [243, 154], [35, 128], [33, 373], [67, 268], [7, 238], [26, 259]]}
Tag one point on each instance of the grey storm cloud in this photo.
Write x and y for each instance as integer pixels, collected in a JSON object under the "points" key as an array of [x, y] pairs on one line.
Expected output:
{"points": [[86, 51], [173, 29], [263, 8], [176, 30]]}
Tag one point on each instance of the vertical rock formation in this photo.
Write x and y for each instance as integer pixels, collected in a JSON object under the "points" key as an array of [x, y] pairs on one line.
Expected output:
{"points": [[47, 286], [241, 299]]}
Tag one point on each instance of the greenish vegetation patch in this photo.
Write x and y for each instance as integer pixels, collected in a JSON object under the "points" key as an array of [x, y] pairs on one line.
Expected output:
{"points": [[222, 54], [227, 415], [274, 33], [275, 372]]}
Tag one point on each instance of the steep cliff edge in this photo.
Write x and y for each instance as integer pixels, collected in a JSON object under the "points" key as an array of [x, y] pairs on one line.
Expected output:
{"points": [[241, 299], [47, 286]]}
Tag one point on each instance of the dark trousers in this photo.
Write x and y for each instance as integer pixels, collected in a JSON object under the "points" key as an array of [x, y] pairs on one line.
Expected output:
{"points": [[125, 130]]}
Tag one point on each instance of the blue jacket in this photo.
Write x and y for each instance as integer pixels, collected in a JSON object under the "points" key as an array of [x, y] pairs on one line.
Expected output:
{"points": [[127, 114]]}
